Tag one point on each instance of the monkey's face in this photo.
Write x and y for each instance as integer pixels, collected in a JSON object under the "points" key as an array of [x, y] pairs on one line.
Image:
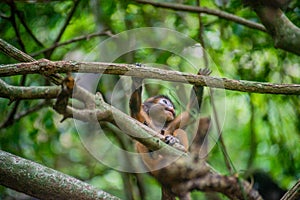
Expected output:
{"points": [[160, 109], [167, 108]]}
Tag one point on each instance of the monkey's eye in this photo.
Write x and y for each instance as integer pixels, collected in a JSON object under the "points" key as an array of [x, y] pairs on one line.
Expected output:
{"points": [[166, 102]]}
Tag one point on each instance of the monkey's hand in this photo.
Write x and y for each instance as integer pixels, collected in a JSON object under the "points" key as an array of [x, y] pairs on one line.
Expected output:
{"points": [[204, 72], [171, 140], [137, 82]]}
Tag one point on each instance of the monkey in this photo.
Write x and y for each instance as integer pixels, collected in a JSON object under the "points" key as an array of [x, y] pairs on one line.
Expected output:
{"points": [[158, 113]]}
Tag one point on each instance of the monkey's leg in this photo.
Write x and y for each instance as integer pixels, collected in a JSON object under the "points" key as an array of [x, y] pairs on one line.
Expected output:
{"points": [[152, 160]]}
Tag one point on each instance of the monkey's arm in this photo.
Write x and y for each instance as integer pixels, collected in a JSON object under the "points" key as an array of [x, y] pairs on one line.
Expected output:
{"points": [[196, 95], [135, 103], [193, 107]]}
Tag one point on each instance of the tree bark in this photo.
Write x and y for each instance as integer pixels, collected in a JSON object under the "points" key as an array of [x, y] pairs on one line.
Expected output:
{"points": [[42, 182], [49, 68], [284, 33]]}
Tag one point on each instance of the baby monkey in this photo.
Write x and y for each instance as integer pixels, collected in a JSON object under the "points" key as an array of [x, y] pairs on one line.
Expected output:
{"points": [[158, 113]]}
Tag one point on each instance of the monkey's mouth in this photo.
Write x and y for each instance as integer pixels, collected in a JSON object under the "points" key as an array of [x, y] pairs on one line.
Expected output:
{"points": [[171, 110]]}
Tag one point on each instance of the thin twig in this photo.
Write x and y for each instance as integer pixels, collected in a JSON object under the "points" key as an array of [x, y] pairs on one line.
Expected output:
{"points": [[221, 141], [215, 113], [76, 39], [253, 140], [200, 36], [293, 193], [208, 11], [12, 19], [32, 110], [23, 22], [10, 118], [62, 30], [129, 162], [20, 115]]}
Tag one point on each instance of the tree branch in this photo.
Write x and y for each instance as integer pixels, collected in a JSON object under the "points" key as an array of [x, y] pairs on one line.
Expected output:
{"points": [[64, 27], [218, 13], [20, 115], [14, 52], [23, 22], [14, 24], [47, 67], [284, 33], [231, 186], [76, 39], [293, 193], [33, 92], [43, 182]]}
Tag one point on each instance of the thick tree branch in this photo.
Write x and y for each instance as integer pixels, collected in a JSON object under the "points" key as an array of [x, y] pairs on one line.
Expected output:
{"points": [[231, 186], [218, 13], [42, 182], [21, 92], [47, 67], [14, 52], [284, 33]]}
